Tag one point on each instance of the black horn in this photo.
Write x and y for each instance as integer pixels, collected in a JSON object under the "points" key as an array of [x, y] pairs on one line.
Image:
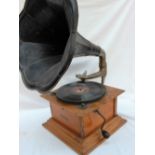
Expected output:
{"points": [[49, 41]]}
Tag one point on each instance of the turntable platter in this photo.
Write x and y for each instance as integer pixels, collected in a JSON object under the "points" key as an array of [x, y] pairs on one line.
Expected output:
{"points": [[81, 92]]}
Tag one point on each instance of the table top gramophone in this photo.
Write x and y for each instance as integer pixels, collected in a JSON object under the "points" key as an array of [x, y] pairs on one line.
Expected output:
{"points": [[84, 113]]}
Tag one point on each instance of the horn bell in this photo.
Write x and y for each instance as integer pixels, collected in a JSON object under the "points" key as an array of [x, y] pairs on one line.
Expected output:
{"points": [[48, 42]]}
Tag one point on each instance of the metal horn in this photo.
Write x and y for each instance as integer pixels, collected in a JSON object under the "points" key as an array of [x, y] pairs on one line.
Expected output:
{"points": [[49, 41]]}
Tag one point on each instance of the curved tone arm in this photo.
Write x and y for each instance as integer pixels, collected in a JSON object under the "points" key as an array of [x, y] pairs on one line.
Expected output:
{"points": [[102, 69]]}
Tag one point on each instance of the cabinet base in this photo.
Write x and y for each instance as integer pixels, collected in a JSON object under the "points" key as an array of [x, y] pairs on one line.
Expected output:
{"points": [[83, 146]]}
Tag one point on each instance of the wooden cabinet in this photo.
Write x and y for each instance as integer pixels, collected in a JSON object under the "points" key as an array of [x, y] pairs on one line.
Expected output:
{"points": [[81, 128]]}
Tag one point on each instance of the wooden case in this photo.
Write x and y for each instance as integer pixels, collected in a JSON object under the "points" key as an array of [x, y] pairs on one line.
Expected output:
{"points": [[81, 128]]}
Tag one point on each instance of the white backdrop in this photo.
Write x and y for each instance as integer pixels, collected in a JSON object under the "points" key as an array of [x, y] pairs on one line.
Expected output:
{"points": [[110, 24]]}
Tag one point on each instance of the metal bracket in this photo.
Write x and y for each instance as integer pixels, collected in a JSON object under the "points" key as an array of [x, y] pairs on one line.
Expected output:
{"points": [[102, 70]]}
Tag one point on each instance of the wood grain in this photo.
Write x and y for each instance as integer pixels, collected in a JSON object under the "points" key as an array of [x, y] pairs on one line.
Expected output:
{"points": [[81, 129], [111, 93], [83, 146]]}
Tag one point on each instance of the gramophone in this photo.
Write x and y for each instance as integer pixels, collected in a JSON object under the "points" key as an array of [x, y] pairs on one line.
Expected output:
{"points": [[84, 113]]}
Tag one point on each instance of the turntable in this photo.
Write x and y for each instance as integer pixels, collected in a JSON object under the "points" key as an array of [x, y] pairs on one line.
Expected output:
{"points": [[84, 113]]}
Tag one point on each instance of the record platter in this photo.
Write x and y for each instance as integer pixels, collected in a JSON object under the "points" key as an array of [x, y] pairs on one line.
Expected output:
{"points": [[80, 92], [83, 113]]}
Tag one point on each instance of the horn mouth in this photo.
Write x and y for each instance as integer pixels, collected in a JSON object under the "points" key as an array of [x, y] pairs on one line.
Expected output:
{"points": [[46, 41]]}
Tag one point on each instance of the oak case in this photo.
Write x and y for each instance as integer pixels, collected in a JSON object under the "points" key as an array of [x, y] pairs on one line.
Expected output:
{"points": [[82, 128]]}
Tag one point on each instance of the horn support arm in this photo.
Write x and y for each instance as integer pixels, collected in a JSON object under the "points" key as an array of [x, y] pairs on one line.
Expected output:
{"points": [[102, 66]]}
